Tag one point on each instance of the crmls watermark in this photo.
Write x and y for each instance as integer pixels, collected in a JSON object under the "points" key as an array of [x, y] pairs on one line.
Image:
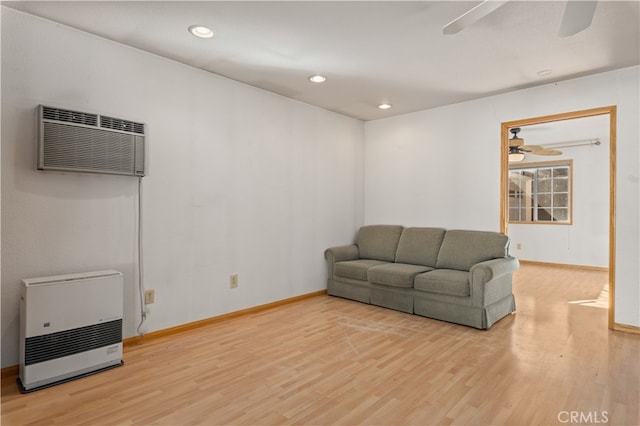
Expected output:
{"points": [[583, 417]]}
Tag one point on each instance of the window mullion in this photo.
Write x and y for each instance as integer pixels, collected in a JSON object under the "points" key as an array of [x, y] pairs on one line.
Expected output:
{"points": [[535, 196]]}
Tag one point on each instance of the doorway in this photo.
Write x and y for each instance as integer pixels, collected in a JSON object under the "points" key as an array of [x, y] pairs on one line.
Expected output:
{"points": [[610, 112]]}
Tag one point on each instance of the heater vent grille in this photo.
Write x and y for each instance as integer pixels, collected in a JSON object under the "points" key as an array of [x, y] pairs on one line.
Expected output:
{"points": [[70, 342]]}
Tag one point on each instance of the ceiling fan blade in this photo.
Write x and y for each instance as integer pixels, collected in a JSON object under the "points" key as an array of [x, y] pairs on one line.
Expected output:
{"points": [[539, 150], [471, 16], [545, 151], [577, 17], [531, 148]]}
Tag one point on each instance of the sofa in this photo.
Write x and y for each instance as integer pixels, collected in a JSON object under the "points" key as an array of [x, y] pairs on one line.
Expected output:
{"points": [[459, 276]]}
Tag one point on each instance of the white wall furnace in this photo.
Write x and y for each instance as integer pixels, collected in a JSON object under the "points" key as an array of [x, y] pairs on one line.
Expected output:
{"points": [[70, 326]]}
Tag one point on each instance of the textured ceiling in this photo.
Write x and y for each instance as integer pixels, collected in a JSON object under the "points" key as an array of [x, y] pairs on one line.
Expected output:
{"points": [[371, 52]]}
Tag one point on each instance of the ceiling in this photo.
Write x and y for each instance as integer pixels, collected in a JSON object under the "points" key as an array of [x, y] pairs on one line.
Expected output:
{"points": [[370, 51]]}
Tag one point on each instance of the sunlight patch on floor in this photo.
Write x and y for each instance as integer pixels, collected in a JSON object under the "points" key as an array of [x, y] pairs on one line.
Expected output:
{"points": [[602, 301]]}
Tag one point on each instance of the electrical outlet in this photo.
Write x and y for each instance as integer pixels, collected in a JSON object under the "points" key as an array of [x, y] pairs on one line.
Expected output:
{"points": [[233, 281], [149, 297], [519, 246]]}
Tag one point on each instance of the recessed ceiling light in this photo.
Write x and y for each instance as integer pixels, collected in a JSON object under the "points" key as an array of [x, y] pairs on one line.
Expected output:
{"points": [[317, 78], [544, 72], [384, 106], [200, 31]]}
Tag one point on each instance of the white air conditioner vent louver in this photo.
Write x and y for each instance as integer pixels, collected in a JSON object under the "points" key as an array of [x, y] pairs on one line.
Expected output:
{"points": [[70, 140], [119, 124], [59, 114]]}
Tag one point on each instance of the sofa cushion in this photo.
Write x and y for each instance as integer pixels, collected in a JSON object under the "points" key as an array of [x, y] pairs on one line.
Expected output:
{"points": [[356, 269], [420, 246], [444, 281], [378, 242], [395, 274], [461, 250]]}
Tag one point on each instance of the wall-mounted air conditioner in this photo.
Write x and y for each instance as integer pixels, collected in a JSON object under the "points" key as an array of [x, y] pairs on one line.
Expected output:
{"points": [[70, 326], [77, 141]]}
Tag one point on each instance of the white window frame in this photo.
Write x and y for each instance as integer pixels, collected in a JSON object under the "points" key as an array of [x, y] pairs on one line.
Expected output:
{"points": [[525, 197]]}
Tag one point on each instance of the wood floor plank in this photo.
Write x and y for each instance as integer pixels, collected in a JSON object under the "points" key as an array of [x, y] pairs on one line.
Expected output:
{"points": [[330, 361]]}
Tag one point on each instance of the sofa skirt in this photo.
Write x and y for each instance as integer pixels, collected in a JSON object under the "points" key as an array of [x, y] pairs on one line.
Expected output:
{"points": [[351, 290], [500, 309], [398, 298], [478, 317], [440, 307]]}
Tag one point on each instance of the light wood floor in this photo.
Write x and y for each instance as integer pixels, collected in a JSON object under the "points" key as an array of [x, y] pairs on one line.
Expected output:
{"points": [[329, 361]]}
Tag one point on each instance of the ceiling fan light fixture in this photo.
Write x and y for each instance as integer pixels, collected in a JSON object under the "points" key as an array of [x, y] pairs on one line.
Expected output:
{"points": [[200, 31], [515, 157]]}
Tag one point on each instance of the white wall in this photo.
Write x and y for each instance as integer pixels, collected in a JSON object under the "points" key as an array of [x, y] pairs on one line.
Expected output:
{"points": [[245, 181], [586, 241], [240, 181], [441, 167]]}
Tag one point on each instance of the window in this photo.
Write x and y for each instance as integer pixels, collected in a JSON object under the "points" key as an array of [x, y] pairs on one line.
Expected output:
{"points": [[540, 193]]}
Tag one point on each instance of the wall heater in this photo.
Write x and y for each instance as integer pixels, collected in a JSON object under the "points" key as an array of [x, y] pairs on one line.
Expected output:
{"points": [[70, 327]]}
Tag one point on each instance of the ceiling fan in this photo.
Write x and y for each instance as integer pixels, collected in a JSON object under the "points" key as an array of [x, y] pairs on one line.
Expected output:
{"points": [[577, 16], [517, 148]]}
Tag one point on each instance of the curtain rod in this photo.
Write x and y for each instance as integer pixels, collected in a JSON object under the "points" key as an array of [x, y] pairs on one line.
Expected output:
{"points": [[581, 142]]}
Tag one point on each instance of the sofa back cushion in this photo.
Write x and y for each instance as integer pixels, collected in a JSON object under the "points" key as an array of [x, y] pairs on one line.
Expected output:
{"points": [[461, 250], [420, 246], [378, 242]]}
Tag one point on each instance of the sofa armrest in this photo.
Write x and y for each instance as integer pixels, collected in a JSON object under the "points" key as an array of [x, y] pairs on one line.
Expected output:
{"points": [[494, 268], [339, 254], [491, 280]]}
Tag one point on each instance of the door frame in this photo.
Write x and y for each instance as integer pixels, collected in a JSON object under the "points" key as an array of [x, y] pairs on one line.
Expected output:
{"points": [[504, 175]]}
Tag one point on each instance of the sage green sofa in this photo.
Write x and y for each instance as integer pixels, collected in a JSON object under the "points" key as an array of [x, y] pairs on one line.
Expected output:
{"points": [[457, 276]]}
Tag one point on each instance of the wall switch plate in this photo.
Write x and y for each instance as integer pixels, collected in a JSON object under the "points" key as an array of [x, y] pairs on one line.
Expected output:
{"points": [[233, 281], [149, 297]]}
